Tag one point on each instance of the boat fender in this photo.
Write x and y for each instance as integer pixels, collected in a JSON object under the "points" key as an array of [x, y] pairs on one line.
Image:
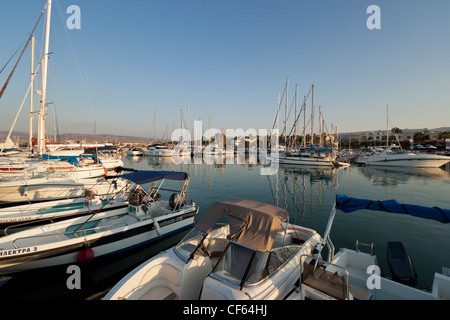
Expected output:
{"points": [[86, 255], [157, 228]]}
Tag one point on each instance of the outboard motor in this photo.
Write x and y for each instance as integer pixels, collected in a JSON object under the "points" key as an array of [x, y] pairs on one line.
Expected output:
{"points": [[136, 197], [400, 264], [176, 201]]}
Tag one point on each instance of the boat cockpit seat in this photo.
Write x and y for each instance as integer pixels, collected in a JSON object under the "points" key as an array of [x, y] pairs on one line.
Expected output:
{"points": [[159, 293], [160, 283], [215, 248]]}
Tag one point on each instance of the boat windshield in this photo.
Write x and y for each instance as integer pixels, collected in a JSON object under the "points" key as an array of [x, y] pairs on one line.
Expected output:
{"points": [[240, 264], [187, 247]]}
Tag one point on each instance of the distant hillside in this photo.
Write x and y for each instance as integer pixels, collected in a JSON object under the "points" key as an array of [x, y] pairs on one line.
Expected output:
{"points": [[21, 137]]}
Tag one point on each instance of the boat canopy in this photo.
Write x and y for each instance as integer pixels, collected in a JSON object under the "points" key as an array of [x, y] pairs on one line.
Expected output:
{"points": [[146, 176], [252, 223], [350, 204]]}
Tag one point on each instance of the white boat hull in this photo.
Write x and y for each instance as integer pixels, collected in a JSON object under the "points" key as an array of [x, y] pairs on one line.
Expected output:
{"points": [[410, 162], [55, 210], [166, 272], [396, 158], [38, 192], [306, 161]]}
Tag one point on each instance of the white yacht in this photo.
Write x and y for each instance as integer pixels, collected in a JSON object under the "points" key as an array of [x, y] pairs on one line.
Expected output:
{"points": [[135, 152], [394, 157], [158, 150]]}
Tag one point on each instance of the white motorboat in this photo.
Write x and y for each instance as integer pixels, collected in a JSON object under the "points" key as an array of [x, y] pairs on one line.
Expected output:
{"points": [[103, 196], [44, 186], [135, 152], [146, 219], [254, 256], [341, 163], [16, 167], [109, 156], [158, 150], [83, 167], [394, 157], [355, 275], [62, 152]]}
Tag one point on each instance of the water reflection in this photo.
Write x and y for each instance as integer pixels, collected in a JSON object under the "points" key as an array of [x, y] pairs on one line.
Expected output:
{"points": [[307, 193], [301, 189], [393, 176]]}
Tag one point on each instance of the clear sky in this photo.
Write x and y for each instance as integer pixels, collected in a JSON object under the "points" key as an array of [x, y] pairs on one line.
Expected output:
{"points": [[230, 59]]}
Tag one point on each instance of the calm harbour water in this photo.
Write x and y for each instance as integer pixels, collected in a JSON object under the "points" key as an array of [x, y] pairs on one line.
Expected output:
{"points": [[307, 194]]}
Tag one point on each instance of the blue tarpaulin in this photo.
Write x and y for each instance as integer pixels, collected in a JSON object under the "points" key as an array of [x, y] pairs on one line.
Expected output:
{"points": [[349, 204], [146, 176]]}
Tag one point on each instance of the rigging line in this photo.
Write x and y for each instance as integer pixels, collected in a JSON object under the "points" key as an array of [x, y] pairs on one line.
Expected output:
{"points": [[278, 111], [290, 108], [11, 58], [26, 45], [298, 117], [17, 115], [76, 60]]}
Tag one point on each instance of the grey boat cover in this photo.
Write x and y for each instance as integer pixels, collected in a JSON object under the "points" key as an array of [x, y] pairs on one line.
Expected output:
{"points": [[252, 223]]}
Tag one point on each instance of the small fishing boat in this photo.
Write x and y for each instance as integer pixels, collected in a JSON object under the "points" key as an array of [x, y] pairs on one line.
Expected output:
{"points": [[147, 218], [254, 256], [355, 275]]}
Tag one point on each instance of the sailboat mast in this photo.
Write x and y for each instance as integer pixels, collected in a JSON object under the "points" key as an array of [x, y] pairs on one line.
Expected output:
{"points": [[154, 129], [312, 116], [296, 122], [30, 142], [41, 131], [285, 111], [320, 126], [387, 126], [188, 128], [304, 122]]}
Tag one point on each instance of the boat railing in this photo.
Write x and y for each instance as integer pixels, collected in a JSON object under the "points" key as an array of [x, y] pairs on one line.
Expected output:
{"points": [[370, 245]]}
